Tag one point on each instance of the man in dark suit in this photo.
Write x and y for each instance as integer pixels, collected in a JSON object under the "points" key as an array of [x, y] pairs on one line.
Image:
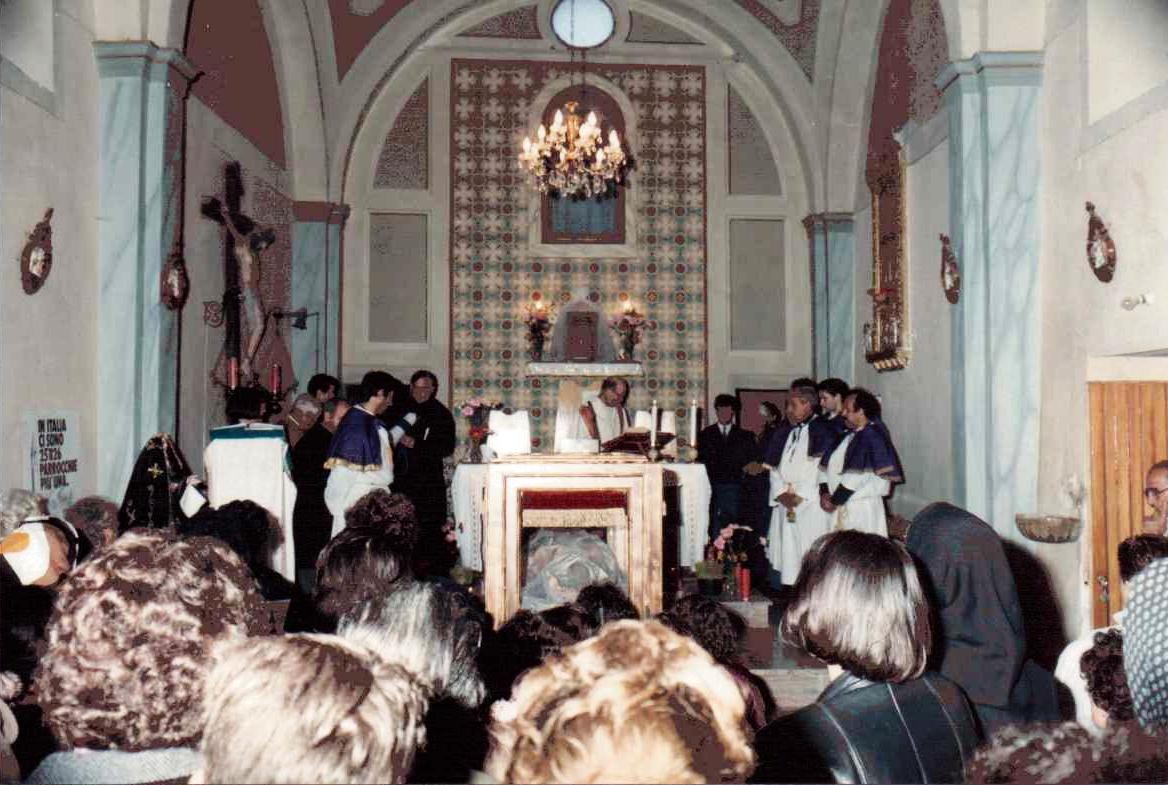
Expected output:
{"points": [[418, 466], [311, 520], [725, 449]]}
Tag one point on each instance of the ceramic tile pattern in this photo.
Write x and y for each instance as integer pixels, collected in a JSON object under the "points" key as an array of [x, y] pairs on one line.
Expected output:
{"points": [[493, 276]]}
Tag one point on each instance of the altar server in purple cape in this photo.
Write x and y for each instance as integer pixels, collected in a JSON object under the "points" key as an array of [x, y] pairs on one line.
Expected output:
{"points": [[360, 457], [832, 393], [860, 471]]}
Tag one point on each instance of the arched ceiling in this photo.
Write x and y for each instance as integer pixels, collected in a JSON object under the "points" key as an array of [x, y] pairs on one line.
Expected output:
{"points": [[815, 74]]}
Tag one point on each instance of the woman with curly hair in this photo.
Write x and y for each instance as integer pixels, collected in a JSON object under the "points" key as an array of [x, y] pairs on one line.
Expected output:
{"points": [[635, 703], [721, 632], [121, 681], [367, 558], [1102, 669]]}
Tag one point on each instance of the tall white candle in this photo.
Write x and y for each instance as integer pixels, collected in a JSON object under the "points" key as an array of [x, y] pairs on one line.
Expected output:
{"points": [[653, 425], [693, 423]]}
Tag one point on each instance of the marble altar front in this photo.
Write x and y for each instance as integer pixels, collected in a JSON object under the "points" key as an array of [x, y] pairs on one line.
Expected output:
{"points": [[469, 492], [634, 532]]}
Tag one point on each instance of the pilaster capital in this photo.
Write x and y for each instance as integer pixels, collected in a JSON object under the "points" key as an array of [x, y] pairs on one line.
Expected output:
{"points": [[1009, 64], [321, 212], [144, 59]]}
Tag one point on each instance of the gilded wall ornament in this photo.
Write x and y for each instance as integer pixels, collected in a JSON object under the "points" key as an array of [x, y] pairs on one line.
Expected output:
{"points": [[1101, 255], [950, 271], [36, 259]]}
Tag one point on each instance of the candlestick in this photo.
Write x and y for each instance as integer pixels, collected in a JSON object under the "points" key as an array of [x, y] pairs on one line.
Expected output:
{"points": [[693, 423], [653, 424], [232, 372], [275, 379]]}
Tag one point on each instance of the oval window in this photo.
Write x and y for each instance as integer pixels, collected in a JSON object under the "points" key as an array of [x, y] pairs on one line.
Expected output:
{"points": [[583, 24]]}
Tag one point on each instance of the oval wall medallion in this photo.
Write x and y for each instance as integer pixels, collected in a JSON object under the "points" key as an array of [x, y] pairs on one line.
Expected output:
{"points": [[36, 259], [1101, 255], [950, 271]]}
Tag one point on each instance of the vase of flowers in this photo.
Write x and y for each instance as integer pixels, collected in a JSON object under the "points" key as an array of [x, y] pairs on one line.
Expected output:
{"points": [[476, 410], [538, 322], [628, 327], [732, 547]]}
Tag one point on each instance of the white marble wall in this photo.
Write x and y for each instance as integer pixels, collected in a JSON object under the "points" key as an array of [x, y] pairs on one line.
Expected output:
{"points": [[316, 270], [142, 92], [993, 101], [49, 158], [833, 264], [917, 400], [841, 306]]}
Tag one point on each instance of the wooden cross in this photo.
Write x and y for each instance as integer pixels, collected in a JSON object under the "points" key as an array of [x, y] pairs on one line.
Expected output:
{"points": [[212, 209]]}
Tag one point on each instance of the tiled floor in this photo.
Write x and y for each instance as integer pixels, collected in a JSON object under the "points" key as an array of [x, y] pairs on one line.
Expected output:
{"points": [[794, 677]]}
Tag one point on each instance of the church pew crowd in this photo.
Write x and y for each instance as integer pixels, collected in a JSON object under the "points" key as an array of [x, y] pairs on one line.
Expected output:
{"points": [[165, 641]]}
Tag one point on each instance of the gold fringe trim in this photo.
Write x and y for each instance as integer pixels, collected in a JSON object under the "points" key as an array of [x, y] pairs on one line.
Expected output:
{"points": [[333, 463]]}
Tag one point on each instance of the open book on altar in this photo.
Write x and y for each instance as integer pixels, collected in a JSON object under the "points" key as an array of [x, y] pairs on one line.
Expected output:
{"points": [[634, 440]]}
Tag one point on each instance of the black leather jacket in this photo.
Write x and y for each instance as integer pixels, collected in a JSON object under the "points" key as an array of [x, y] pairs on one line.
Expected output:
{"points": [[861, 731]]}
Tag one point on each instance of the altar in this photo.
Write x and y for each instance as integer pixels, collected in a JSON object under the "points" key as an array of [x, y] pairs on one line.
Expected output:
{"points": [[469, 500]]}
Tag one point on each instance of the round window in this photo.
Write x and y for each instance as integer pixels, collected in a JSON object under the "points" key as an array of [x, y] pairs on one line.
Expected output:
{"points": [[583, 24]]}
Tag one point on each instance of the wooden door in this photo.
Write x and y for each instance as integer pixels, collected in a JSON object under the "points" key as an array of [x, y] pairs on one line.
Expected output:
{"points": [[1129, 433]]}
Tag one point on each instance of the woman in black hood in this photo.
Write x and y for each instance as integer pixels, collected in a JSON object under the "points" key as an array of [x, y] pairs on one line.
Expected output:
{"points": [[982, 645]]}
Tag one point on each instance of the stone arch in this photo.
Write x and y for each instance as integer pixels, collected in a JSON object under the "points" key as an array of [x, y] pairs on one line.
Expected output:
{"points": [[853, 83], [297, 75], [389, 54]]}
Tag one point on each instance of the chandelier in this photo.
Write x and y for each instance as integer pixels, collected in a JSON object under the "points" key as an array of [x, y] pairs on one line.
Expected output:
{"points": [[570, 159]]}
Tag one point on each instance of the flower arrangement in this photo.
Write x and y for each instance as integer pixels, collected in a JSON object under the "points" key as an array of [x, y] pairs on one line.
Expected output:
{"points": [[732, 543], [732, 549], [628, 326], [539, 323], [476, 410]]}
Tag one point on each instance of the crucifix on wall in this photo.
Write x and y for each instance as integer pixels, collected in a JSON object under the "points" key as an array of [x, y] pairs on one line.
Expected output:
{"points": [[243, 308]]}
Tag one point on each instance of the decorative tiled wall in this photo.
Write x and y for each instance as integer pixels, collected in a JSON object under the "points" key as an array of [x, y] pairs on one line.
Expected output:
{"points": [[493, 274]]}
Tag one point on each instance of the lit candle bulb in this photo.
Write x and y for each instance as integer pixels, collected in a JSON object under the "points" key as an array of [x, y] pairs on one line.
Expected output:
{"points": [[526, 145], [558, 120], [541, 133], [613, 139]]}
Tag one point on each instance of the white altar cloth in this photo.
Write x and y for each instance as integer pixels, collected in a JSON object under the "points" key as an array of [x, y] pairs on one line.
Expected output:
{"points": [[469, 491]]}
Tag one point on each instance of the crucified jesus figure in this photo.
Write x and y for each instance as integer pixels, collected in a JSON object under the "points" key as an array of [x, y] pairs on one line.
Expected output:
{"points": [[253, 320]]}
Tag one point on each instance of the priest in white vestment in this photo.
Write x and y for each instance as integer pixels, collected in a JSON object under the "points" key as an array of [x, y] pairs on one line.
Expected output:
{"points": [[600, 417], [860, 471], [249, 460], [797, 520]]}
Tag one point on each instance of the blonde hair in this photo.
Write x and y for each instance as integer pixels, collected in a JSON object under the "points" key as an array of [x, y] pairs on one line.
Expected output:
{"points": [[128, 641], [309, 708], [636, 703]]}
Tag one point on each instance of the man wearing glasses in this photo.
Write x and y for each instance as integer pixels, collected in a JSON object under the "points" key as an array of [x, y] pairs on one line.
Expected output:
{"points": [[418, 461], [1156, 495]]}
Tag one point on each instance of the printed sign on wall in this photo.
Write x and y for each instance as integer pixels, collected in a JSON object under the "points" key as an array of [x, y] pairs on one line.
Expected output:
{"points": [[54, 456]]}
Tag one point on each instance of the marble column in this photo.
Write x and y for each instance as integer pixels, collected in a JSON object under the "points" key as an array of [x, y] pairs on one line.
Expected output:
{"points": [[833, 271], [143, 92], [994, 192], [317, 237]]}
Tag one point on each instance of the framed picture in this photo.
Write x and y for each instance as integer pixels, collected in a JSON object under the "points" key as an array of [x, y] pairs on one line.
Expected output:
{"points": [[752, 398]]}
